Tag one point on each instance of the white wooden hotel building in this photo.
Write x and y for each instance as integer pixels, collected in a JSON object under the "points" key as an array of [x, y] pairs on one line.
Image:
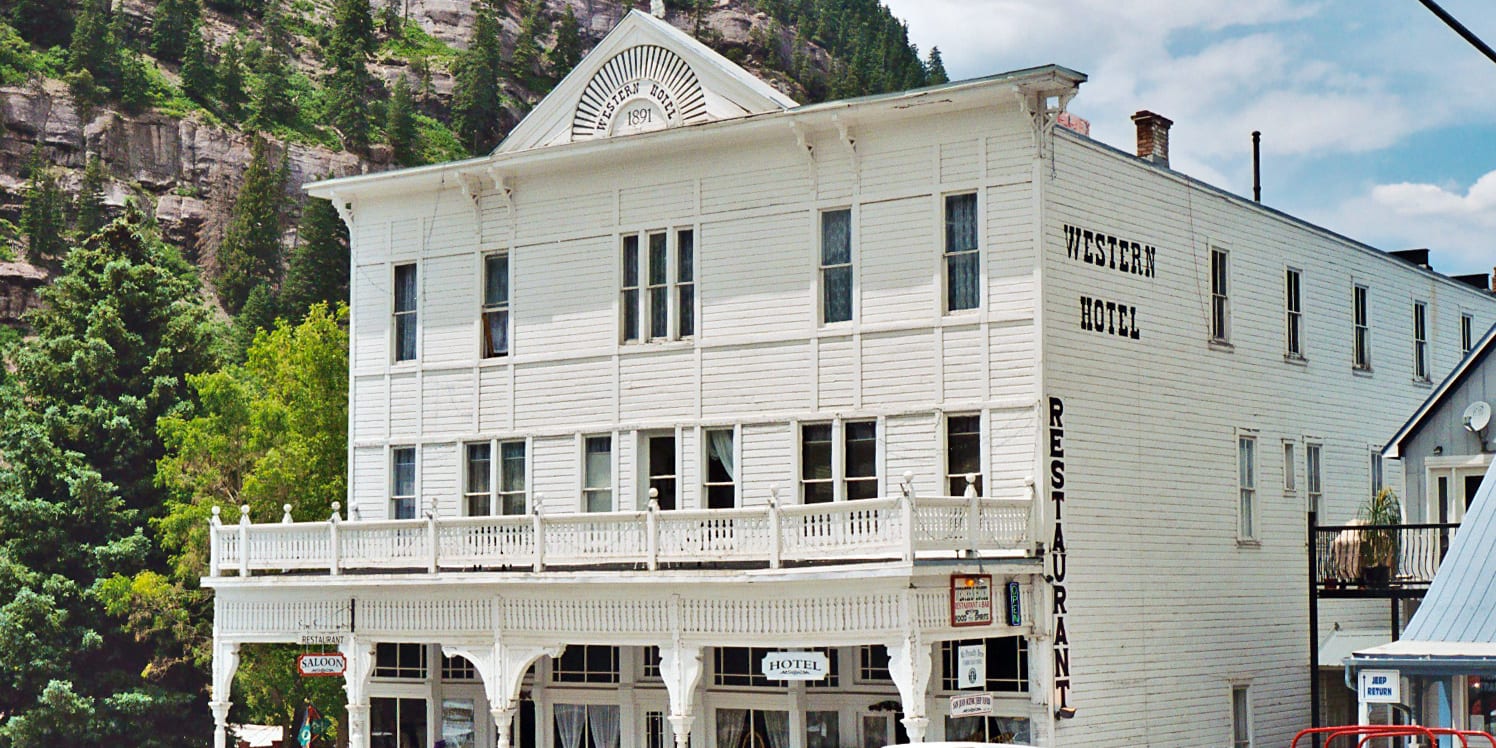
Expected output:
{"points": [[686, 374]]}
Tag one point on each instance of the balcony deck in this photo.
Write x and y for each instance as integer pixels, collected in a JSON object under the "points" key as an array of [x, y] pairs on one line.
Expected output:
{"points": [[886, 529], [1341, 555]]}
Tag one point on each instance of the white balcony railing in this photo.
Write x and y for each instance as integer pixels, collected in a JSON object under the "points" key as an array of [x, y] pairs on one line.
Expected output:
{"points": [[875, 529]]}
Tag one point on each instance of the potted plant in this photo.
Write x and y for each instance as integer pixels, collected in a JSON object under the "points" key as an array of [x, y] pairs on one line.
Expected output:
{"points": [[1379, 544]]}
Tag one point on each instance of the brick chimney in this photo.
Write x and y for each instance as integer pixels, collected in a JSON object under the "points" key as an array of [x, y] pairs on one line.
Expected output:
{"points": [[1153, 137]]}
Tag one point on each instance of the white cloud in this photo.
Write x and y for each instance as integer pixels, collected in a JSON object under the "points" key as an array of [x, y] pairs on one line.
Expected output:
{"points": [[1477, 205], [1454, 224]]}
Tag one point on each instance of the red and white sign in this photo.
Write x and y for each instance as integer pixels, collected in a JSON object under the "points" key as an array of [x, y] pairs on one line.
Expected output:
{"points": [[327, 664]]}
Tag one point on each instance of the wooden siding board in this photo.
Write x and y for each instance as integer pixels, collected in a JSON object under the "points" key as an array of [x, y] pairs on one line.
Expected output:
{"points": [[895, 260]]}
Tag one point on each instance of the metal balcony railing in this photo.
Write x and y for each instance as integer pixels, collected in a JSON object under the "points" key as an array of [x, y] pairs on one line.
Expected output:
{"points": [[894, 528], [1379, 557]]}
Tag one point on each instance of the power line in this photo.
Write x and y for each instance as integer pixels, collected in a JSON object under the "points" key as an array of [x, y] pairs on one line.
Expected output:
{"points": [[1459, 28]]}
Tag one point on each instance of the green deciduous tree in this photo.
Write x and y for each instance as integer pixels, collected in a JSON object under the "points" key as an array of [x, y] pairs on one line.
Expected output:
{"points": [[251, 250], [477, 103]]}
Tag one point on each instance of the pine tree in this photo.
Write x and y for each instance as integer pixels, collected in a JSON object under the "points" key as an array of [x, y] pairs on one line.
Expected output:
{"points": [[349, 80], [231, 93], [476, 101], [251, 250], [44, 23], [391, 21], [567, 51], [935, 68], [258, 314], [43, 216], [317, 271], [400, 124], [134, 82], [270, 102], [171, 24], [94, 46], [525, 59], [198, 79], [89, 205]]}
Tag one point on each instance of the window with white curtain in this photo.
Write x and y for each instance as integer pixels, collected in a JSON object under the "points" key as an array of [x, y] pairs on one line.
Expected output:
{"points": [[753, 728], [836, 266], [586, 725], [512, 495], [597, 473], [478, 483], [496, 305], [657, 297], [962, 258], [720, 484], [403, 483], [406, 293]]}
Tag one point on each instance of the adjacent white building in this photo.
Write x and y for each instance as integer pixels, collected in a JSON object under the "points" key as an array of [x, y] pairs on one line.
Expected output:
{"points": [[686, 377]]}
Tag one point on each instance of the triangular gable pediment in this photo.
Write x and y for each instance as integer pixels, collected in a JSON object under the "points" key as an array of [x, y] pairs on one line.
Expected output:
{"points": [[645, 75]]}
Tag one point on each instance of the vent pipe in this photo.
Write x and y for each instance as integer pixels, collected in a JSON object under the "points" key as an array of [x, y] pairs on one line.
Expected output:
{"points": [[1257, 165]]}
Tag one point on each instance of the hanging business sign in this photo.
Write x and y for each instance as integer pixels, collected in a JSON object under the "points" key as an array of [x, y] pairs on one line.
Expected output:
{"points": [[971, 599], [310, 637], [1379, 686], [971, 705], [315, 665], [971, 665], [796, 665]]}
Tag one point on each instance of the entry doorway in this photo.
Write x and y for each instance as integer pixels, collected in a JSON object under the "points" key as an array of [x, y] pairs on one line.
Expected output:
{"points": [[1452, 485]]}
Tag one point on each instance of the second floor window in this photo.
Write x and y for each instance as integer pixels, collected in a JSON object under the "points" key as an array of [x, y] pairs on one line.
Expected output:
{"points": [[403, 483], [1420, 341], [1246, 457], [1312, 484], [478, 491], [663, 470], [495, 305], [1293, 310], [962, 258], [963, 453], [1467, 334], [597, 473], [721, 470], [512, 495], [836, 266], [828, 474], [405, 312], [1361, 335], [1220, 301]]}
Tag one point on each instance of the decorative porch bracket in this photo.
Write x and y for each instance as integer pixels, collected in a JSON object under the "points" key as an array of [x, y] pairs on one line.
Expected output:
{"points": [[680, 668], [225, 664], [909, 664], [360, 666], [502, 668]]}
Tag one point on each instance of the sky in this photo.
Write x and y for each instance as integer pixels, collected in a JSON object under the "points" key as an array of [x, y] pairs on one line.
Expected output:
{"points": [[1378, 121]]}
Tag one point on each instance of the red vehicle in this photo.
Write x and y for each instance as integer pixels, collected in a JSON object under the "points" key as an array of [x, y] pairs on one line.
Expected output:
{"points": [[1361, 736]]}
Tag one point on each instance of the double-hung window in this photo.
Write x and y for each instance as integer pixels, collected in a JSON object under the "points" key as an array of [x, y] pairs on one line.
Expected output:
{"points": [[403, 483], [405, 312], [478, 476], [496, 305], [597, 473], [1420, 341], [1376, 470], [836, 266], [1467, 334], [658, 293], [1220, 300], [1246, 458], [1312, 482], [1361, 336], [1293, 311], [720, 484], [828, 473], [1290, 467], [1241, 718], [962, 258], [512, 496], [963, 453]]}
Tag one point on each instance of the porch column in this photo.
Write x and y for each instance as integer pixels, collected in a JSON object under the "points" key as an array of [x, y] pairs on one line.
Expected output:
{"points": [[225, 663], [360, 656], [909, 664], [502, 668], [680, 668]]}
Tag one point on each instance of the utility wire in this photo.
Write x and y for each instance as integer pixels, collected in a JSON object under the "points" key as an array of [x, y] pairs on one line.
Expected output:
{"points": [[1459, 28]]}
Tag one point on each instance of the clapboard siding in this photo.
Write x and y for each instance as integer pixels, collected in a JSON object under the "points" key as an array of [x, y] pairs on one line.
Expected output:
{"points": [[441, 479], [961, 358], [756, 379], [449, 296], [768, 463], [405, 405], [369, 407], [656, 385], [756, 276], [1150, 443], [658, 207], [896, 369], [588, 396], [553, 474], [564, 296], [447, 397], [907, 440], [369, 492], [369, 322], [898, 256]]}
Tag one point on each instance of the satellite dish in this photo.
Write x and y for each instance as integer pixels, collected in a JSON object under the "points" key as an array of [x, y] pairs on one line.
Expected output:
{"points": [[1477, 416]]}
